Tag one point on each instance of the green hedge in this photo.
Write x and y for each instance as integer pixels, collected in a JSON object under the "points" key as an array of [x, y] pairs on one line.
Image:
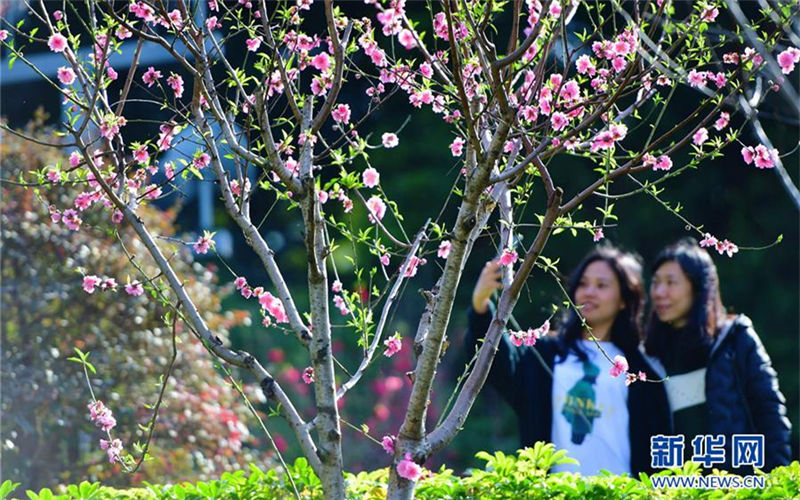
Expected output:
{"points": [[503, 477]]}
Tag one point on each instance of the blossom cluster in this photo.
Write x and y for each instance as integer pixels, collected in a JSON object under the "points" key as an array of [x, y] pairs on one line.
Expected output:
{"points": [[721, 246], [530, 336], [102, 417], [268, 302]]}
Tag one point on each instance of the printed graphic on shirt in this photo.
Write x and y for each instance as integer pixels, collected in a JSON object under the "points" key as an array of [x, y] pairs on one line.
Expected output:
{"points": [[580, 406]]}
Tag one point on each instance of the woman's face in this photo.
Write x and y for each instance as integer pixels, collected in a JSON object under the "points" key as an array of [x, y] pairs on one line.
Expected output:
{"points": [[599, 297], [671, 293]]}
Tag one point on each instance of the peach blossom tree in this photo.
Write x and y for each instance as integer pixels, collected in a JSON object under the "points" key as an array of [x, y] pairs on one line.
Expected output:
{"points": [[519, 84]]}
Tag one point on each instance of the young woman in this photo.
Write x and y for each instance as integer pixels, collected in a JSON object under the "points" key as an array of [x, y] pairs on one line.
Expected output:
{"points": [[721, 380], [561, 388]]}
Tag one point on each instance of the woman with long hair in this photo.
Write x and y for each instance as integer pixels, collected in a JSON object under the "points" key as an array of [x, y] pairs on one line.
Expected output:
{"points": [[720, 378], [561, 387]]}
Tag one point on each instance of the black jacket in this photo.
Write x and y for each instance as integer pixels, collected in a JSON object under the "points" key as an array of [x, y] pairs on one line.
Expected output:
{"points": [[742, 395], [516, 367]]}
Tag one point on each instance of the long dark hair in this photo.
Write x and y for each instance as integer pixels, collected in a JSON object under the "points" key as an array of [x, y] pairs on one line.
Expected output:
{"points": [[707, 310], [626, 330]]}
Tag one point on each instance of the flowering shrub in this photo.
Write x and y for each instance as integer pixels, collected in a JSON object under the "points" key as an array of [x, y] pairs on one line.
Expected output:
{"points": [[49, 433]]}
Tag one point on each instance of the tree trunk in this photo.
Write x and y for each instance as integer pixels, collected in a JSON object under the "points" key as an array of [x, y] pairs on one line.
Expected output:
{"points": [[332, 479]]}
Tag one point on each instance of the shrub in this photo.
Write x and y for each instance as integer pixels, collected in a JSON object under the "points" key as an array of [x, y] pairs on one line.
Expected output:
{"points": [[47, 436], [503, 477]]}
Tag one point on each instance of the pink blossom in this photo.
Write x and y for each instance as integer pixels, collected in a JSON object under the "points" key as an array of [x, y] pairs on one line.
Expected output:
{"points": [[620, 366], [308, 375], [664, 162], [3, 35], [508, 257], [559, 120], [151, 76], [722, 121], [111, 73], [406, 39], [426, 70], [598, 235], [204, 243], [175, 18], [201, 160], [584, 65], [253, 44], [240, 282], [53, 175], [787, 59], [176, 84], [619, 64], [371, 177], [709, 13], [71, 220], [697, 78], [389, 140], [90, 282], [340, 304], [122, 33], [101, 416], [727, 247], [212, 23], [570, 91], [387, 443], [393, 345], [113, 449], [83, 201], [341, 113], [66, 75], [700, 137], [134, 289], [57, 42], [384, 259], [304, 4], [407, 469], [413, 263], [444, 249], [321, 62], [140, 154], [765, 158], [273, 306], [457, 146], [108, 283], [74, 159], [708, 241], [377, 208], [719, 79], [748, 154]]}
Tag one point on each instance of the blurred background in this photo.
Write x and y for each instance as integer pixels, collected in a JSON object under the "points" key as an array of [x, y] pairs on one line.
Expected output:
{"points": [[46, 436]]}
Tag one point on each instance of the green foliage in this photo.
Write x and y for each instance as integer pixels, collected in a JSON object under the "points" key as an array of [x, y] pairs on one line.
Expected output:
{"points": [[503, 477]]}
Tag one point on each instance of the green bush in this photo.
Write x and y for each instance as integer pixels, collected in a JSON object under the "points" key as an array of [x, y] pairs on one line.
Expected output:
{"points": [[503, 477]]}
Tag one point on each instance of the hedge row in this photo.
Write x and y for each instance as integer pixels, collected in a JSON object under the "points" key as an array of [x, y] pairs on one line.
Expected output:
{"points": [[503, 477]]}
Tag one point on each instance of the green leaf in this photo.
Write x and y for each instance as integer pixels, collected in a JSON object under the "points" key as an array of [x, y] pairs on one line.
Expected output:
{"points": [[6, 488]]}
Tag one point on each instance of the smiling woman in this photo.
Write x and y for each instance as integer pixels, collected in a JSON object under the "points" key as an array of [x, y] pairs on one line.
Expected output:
{"points": [[562, 387], [716, 363]]}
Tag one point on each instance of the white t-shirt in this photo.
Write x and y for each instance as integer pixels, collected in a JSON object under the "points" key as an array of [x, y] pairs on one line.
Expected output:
{"points": [[590, 413]]}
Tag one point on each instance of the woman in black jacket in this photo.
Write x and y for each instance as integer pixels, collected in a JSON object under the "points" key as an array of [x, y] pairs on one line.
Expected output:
{"points": [[721, 381], [562, 388]]}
